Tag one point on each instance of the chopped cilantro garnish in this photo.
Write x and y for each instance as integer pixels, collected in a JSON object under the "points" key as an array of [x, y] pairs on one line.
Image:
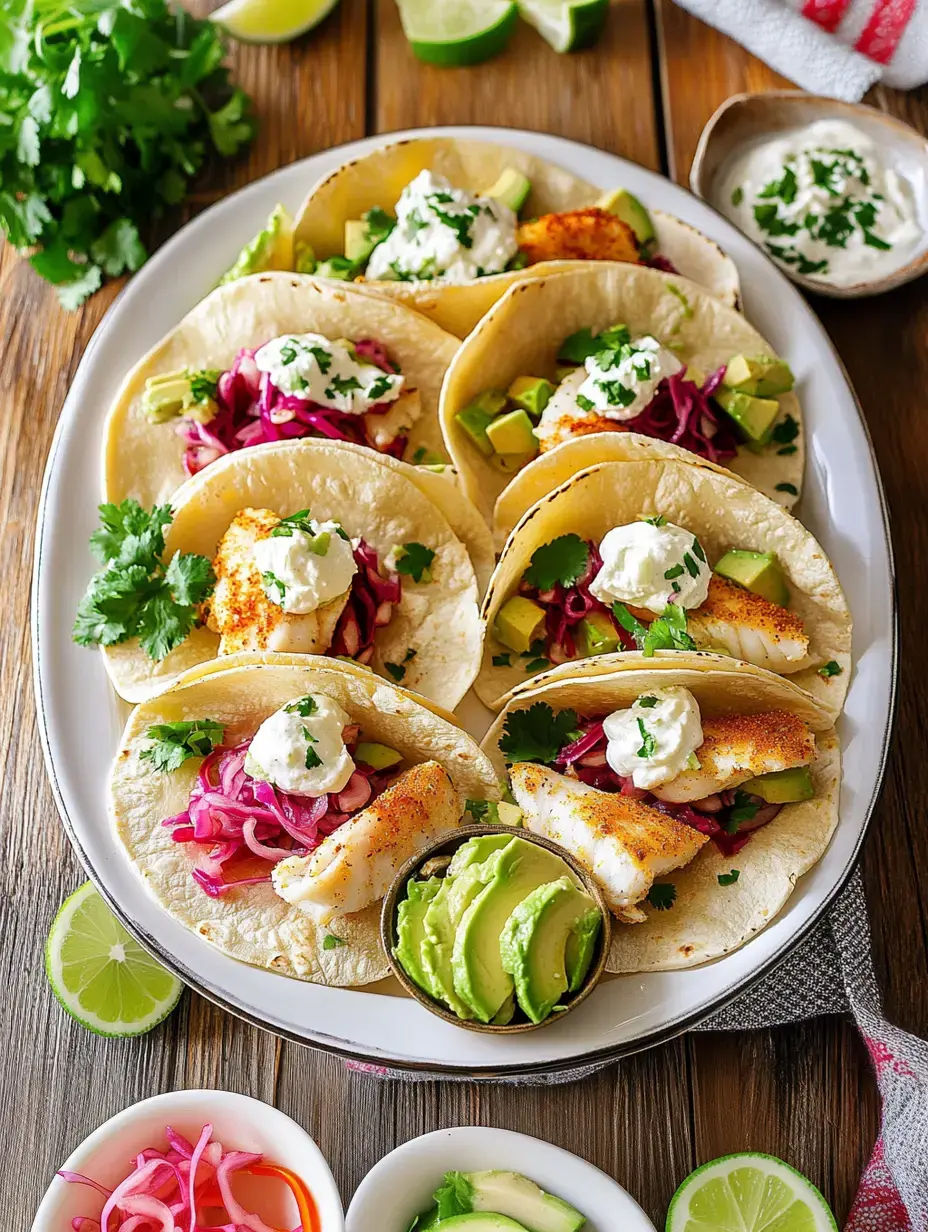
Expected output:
{"points": [[698, 552], [727, 879], [322, 358], [419, 456], [379, 224], [668, 632], [293, 521], [787, 450], [268, 580], [787, 487], [585, 403], [537, 665], [331, 942], [784, 189], [415, 561], [786, 431], [342, 385], [204, 384], [616, 393], [173, 743], [502, 660], [745, 809], [378, 388], [691, 567], [630, 624], [648, 742], [577, 347], [662, 895], [135, 594], [536, 648], [563, 560], [648, 702], [673, 572], [537, 733], [483, 810], [660, 520], [312, 757], [306, 707], [831, 668], [396, 670], [737, 195]]}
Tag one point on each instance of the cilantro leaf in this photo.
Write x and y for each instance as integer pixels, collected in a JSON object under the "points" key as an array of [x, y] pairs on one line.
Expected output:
{"points": [[668, 632], [537, 734], [648, 742], [831, 668], [662, 895], [483, 810], [415, 561], [174, 743], [396, 670], [306, 706], [331, 942], [630, 624], [502, 660], [312, 759], [729, 878], [745, 809], [563, 560], [786, 431], [787, 487]]}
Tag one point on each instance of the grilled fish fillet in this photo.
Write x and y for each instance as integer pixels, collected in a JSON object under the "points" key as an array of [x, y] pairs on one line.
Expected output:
{"points": [[623, 842], [749, 627], [384, 427], [563, 418], [354, 867], [592, 234], [242, 614], [738, 747]]}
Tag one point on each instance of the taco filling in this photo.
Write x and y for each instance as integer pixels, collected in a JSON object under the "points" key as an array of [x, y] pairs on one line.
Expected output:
{"points": [[637, 793], [295, 385], [614, 382], [441, 231], [307, 804], [646, 586]]}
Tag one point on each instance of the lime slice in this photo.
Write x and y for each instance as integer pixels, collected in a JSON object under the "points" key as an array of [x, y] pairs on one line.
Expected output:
{"points": [[566, 26], [101, 975], [271, 21], [747, 1193], [455, 32]]}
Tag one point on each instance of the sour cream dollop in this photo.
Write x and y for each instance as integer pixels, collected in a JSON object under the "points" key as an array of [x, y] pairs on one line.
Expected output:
{"points": [[656, 738], [825, 201], [301, 571], [316, 369], [650, 565], [300, 748], [625, 387], [445, 232]]}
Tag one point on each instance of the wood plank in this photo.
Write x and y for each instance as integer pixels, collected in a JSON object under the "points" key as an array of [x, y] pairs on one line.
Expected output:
{"points": [[602, 96]]}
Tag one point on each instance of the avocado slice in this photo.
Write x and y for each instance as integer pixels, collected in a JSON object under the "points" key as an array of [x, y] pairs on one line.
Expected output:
{"points": [[509, 814], [533, 943], [519, 622], [760, 572], [271, 248], [477, 850], [512, 433], [477, 417], [358, 243], [627, 207], [480, 1222], [516, 1197], [531, 393], [510, 463], [581, 944], [181, 393], [304, 259], [762, 376], [479, 977], [512, 188], [782, 786], [506, 1012], [377, 756], [754, 416], [410, 928], [597, 635]]}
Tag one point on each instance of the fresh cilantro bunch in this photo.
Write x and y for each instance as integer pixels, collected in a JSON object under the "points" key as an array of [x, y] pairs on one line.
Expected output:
{"points": [[174, 743], [537, 733], [136, 594], [108, 108]]}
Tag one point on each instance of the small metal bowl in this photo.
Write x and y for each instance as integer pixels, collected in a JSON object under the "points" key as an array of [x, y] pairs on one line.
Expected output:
{"points": [[745, 119], [446, 846]]}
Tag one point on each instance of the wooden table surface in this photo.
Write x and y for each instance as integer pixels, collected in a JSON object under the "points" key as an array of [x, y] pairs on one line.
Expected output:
{"points": [[803, 1092]]}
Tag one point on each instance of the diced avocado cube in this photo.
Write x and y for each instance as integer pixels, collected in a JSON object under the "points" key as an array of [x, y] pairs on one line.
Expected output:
{"points": [[377, 756], [759, 572], [512, 433], [754, 416], [519, 622], [627, 207], [358, 242], [165, 396], [510, 463], [696, 375], [531, 393], [509, 814], [511, 188], [761, 376], [339, 268], [477, 417], [304, 259], [597, 634], [782, 786]]}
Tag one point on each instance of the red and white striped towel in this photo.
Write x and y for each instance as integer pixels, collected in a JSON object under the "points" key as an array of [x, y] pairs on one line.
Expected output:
{"points": [[835, 47]]}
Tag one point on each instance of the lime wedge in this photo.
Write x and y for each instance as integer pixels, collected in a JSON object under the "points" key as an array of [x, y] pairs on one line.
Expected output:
{"points": [[455, 32], [566, 26], [747, 1193], [271, 21], [101, 975]]}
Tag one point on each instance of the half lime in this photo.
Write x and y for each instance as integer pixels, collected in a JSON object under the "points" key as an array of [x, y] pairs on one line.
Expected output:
{"points": [[566, 26], [271, 21], [101, 975], [747, 1193], [457, 32]]}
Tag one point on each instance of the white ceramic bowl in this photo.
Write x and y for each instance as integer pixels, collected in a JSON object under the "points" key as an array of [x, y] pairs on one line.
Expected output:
{"points": [[238, 1122], [402, 1184]]}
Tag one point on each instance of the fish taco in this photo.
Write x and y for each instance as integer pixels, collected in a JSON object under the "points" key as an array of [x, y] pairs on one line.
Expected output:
{"points": [[299, 547], [267, 807], [697, 798], [447, 225], [635, 561], [566, 367], [276, 357]]}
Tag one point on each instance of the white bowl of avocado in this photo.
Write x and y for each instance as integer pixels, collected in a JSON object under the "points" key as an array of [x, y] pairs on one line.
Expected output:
{"points": [[495, 929]]}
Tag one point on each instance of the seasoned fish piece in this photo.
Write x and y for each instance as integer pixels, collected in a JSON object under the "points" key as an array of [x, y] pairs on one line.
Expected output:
{"points": [[242, 614], [563, 418], [592, 234], [738, 747], [384, 427], [354, 866], [623, 842], [749, 627]]}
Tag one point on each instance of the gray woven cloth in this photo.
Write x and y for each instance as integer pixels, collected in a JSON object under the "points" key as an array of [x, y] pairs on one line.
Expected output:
{"points": [[830, 972]]}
